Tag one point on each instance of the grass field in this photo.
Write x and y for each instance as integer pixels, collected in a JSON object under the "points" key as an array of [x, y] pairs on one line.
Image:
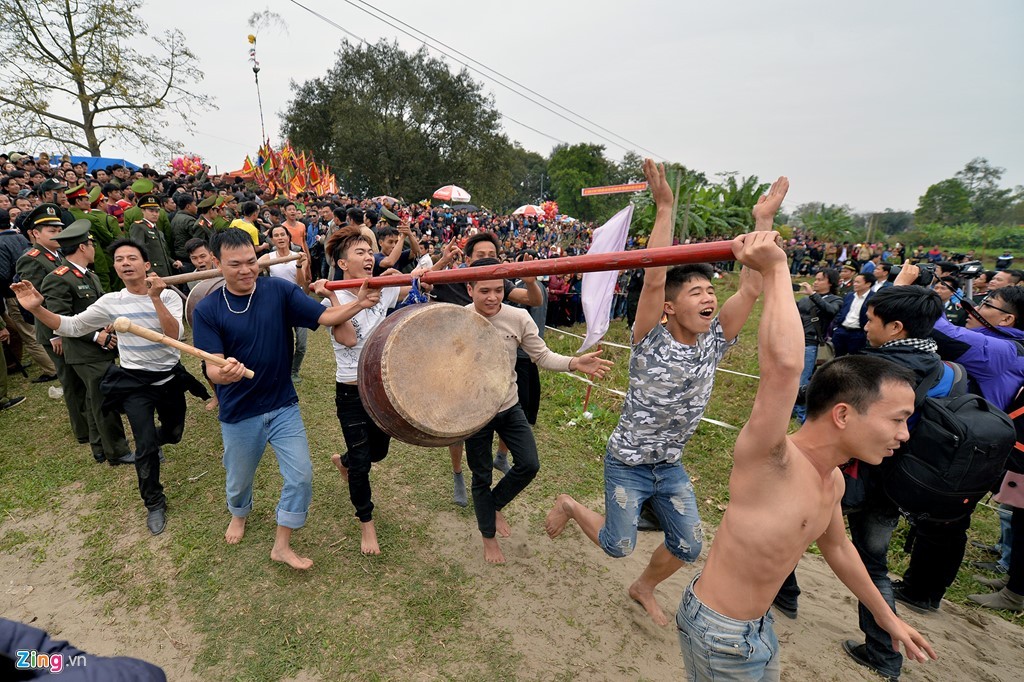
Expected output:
{"points": [[398, 616]]}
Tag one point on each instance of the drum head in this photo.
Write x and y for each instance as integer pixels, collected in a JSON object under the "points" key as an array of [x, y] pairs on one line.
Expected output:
{"points": [[198, 292]]}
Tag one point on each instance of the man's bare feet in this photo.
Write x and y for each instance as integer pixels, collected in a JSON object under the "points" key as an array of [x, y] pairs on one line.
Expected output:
{"points": [[645, 597], [286, 555], [212, 404], [492, 551], [559, 515], [501, 525], [336, 459], [368, 543], [235, 531]]}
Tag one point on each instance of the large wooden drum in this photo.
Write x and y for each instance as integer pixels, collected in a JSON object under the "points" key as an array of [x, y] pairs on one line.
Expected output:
{"points": [[198, 292], [433, 374]]}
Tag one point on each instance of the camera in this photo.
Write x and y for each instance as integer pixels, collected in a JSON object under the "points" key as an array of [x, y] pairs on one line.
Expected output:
{"points": [[926, 276], [971, 269]]}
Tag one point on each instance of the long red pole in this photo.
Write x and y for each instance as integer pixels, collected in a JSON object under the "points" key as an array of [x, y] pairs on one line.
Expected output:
{"points": [[591, 262]]}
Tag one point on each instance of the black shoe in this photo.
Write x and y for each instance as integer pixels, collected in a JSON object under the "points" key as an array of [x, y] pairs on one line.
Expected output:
{"points": [[916, 605], [123, 459], [859, 653], [988, 549], [992, 566], [44, 378], [156, 521], [786, 609], [11, 402]]}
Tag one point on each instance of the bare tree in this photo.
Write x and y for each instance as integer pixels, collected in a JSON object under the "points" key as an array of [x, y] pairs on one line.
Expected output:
{"points": [[69, 76]]}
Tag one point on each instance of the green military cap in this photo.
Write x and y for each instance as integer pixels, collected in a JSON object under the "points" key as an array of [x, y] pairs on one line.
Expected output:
{"points": [[208, 202], [51, 184], [148, 201], [142, 186], [221, 201], [74, 234], [392, 219], [76, 191], [95, 194], [44, 214]]}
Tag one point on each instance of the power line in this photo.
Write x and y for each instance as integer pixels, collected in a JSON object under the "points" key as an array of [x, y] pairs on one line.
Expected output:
{"points": [[477, 71], [510, 79]]}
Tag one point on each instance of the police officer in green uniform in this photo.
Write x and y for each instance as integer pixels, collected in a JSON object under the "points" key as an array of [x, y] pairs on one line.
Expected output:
{"points": [[69, 290], [146, 233], [208, 213], [220, 222], [41, 227], [81, 210], [141, 188], [106, 231]]}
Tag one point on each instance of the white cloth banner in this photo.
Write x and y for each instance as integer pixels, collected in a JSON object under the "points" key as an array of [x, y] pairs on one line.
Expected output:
{"points": [[598, 288]]}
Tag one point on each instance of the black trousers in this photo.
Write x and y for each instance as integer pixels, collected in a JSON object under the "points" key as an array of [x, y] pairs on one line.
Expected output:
{"points": [[366, 444], [528, 385], [848, 341], [935, 557], [513, 428], [142, 408]]}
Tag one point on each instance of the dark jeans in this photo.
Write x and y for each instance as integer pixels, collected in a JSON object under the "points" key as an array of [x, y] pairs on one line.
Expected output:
{"points": [[789, 593], [871, 529], [142, 408], [938, 549], [528, 384], [1016, 574], [513, 428], [848, 341], [366, 444]]}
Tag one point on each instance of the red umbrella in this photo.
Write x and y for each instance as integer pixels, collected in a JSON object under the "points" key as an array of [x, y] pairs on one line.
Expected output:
{"points": [[529, 209], [452, 193]]}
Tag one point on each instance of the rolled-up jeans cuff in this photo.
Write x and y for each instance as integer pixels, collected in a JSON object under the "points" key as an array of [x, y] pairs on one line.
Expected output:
{"points": [[290, 519]]}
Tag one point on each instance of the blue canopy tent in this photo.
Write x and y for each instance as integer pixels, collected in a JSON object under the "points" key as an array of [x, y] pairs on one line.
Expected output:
{"points": [[94, 162]]}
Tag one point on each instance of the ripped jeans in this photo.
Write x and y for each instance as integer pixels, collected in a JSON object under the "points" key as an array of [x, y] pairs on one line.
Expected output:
{"points": [[668, 486]]}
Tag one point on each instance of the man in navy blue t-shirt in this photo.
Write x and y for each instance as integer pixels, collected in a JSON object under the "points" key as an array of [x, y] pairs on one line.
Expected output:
{"points": [[249, 322]]}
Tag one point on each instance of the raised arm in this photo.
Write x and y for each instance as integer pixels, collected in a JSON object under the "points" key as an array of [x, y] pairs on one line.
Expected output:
{"points": [[651, 305], [780, 350], [736, 310]]}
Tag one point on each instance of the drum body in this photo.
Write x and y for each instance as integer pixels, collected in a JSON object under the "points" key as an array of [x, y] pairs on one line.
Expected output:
{"points": [[198, 292], [433, 374]]}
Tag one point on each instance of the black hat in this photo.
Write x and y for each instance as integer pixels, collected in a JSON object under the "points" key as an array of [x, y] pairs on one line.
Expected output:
{"points": [[44, 214], [149, 201], [51, 184]]}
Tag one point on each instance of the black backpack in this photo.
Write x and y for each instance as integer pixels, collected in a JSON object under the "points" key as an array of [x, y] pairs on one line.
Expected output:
{"points": [[957, 451]]}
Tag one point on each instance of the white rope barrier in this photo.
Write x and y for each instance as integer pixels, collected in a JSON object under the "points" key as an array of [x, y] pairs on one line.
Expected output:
{"points": [[619, 345]]}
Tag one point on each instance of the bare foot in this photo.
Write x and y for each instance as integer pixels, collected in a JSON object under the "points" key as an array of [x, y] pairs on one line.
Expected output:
{"points": [[501, 525], [492, 552], [235, 531], [288, 556], [336, 458], [645, 597], [559, 515], [212, 404], [368, 543]]}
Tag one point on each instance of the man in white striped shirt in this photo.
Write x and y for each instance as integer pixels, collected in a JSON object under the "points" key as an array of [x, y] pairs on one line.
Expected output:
{"points": [[151, 379]]}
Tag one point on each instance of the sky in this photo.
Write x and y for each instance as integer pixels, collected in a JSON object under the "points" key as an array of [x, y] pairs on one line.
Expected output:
{"points": [[864, 103]]}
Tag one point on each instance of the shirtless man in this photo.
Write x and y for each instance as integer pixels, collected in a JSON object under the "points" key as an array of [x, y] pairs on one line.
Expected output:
{"points": [[785, 491], [671, 373]]}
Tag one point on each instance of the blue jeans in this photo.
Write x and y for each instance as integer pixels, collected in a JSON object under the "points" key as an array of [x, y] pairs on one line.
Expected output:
{"points": [[1005, 537], [244, 444], [716, 647], [871, 530], [810, 357], [668, 486]]}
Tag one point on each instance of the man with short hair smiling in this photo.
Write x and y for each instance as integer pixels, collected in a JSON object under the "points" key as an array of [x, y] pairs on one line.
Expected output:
{"points": [[150, 379], [1005, 278], [249, 322]]}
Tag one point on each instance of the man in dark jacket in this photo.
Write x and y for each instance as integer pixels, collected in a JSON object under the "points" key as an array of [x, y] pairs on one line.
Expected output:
{"points": [[848, 333]]}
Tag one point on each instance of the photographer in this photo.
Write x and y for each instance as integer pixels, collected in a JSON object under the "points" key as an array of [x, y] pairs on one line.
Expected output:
{"points": [[816, 313]]}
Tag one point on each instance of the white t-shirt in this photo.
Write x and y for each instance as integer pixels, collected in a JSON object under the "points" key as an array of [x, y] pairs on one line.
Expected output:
{"points": [[365, 321]]}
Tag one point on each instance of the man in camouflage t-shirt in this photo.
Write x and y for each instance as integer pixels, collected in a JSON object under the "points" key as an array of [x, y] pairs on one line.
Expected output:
{"points": [[671, 374]]}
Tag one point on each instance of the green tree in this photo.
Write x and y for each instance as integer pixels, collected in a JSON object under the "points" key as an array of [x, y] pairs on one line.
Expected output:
{"points": [[400, 123], [573, 167], [64, 56], [826, 221], [947, 202]]}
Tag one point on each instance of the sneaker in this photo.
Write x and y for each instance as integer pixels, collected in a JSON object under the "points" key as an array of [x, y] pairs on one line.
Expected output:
{"points": [[459, 496], [993, 566], [916, 605], [56, 392], [859, 653], [44, 378], [11, 402], [501, 462]]}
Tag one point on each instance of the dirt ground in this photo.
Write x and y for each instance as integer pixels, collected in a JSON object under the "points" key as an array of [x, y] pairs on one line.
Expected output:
{"points": [[562, 601]]}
